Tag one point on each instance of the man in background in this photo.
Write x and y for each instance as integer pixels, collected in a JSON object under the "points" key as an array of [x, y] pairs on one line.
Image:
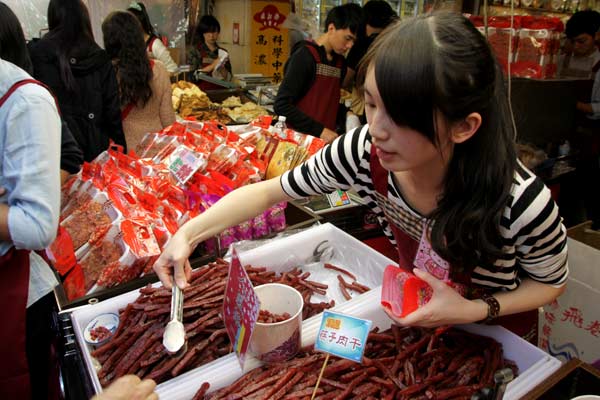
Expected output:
{"points": [[309, 94]]}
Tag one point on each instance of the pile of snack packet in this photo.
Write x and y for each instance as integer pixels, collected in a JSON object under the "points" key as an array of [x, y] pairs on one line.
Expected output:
{"points": [[118, 213], [535, 43]]}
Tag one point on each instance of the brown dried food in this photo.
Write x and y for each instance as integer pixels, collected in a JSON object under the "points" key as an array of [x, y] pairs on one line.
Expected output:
{"points": [[204, 327], [84, 221], [266, 317], [373, 379], [97, 259]]}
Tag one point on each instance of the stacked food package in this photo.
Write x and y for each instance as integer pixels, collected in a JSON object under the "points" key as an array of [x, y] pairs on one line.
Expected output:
{"points": [[535, 43], [193, 104], [121, 209]]}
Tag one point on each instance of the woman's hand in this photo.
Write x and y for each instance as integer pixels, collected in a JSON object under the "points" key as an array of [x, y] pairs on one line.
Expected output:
{"points": [[446, 307], [174, 260]]}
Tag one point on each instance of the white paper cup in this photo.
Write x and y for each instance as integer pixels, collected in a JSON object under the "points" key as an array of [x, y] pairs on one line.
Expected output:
{"points": [[278, 341]]}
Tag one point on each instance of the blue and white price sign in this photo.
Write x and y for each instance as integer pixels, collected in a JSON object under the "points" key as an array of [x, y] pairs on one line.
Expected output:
{"points": [[343, 335]]}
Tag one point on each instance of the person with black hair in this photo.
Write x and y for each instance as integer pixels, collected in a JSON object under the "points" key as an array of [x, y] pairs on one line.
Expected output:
{"points": [[81, 76], [309, 94], [144, 85], [206, 56], [378, 14], [584, 60], [14, 49], [437, 164], [29, 212], [154, 45]]}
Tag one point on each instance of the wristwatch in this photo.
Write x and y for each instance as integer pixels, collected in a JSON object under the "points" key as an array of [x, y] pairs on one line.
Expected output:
{"points": [[493, 307]]}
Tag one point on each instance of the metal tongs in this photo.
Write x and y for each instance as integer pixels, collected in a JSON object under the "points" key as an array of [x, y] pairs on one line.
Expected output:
{"points": [[174, 335]]}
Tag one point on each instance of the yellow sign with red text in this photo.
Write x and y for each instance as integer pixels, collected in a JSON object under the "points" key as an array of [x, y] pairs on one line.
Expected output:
{"points": [[269, 49]]}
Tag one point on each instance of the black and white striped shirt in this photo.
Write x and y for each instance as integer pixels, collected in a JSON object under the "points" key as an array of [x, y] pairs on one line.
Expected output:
{"points": [[535, 240]]}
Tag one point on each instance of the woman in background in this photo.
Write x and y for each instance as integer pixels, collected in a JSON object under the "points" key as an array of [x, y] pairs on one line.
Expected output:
{"points": [[13, 48], [207, 57], [144, 86], [154, 46], [80, 75]]}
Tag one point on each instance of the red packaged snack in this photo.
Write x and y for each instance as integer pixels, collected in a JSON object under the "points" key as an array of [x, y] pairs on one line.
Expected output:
{"points": [[402, 292]]}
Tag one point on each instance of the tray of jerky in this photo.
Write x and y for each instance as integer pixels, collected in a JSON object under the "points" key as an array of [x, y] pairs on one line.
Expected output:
{"points": [[329, 267]]}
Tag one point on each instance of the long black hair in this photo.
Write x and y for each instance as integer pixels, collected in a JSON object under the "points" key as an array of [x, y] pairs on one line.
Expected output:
{"points": [[71, 31], [207, 24], [13, 47], [439, 64], [139, 10], [124, 43]]}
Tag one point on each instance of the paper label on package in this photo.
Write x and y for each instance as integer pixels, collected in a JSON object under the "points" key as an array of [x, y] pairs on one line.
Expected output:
{"points": [[338, 198], [343, 335], [183, 163], [240, 308]]}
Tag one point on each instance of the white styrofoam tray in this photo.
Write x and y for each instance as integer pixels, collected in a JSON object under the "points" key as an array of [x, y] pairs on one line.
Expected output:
{"points": [[279, 255], [283, 254]]}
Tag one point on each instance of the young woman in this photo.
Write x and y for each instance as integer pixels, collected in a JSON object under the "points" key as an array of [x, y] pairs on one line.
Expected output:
{"points": [[80, 75], [144, 86], [437, 164], [207, 56], [154, 46]]}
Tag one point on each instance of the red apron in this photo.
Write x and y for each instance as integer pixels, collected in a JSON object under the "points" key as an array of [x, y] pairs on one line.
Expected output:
{"points": [[206, 61], [14, 288], [409, 253], [322, 100]]}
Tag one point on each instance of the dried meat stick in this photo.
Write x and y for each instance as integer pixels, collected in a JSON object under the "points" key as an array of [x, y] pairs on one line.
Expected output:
{"points": [[201, 391], [365, 391], [119, 352], [157, 354], [353, 374], [302, 393], [345, 292], [257, 385], [199, 321], [287, 386], [135, 352], [338, 269], [388, 384], [457, 391], [188, 356], [337, 366], [161, 369], [387, 373], [359, 287], [317, 284], [351, 385], [280, 383], [313, 288], [241, 382]]}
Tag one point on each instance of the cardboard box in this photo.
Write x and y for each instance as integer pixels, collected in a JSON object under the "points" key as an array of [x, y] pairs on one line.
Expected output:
{"points": [[570, 326]]}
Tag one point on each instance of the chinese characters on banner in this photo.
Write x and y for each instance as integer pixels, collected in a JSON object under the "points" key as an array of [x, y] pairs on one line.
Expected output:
{"points": [[343, 335], [268, 40], [240, 308]]}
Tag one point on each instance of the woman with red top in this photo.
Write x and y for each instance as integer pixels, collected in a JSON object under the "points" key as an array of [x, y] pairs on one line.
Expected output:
{"points": [[207, 57]]}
